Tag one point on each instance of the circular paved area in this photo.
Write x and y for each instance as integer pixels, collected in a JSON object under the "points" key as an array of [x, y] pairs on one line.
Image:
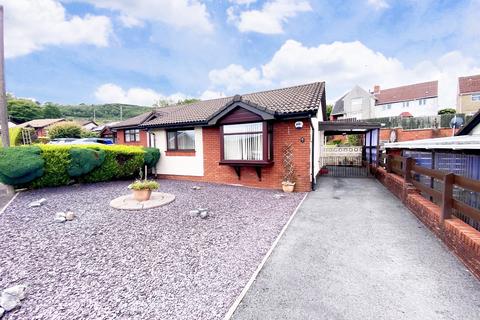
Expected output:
{"points": [[157, 199]]}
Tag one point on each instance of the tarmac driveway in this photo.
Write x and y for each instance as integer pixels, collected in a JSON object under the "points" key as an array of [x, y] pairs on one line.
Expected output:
{"points": [[353, 251]]}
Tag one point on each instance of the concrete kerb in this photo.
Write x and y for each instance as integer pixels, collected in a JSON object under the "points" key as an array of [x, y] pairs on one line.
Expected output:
{"points": [[242, 294], [8, 203]]}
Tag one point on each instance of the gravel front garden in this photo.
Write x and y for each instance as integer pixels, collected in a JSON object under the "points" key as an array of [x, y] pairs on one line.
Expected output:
{"points": [[159, 263]]}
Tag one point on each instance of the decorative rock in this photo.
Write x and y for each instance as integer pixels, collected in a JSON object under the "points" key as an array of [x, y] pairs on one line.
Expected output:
{"points": [[2, 311], [18, 291], [37, 203], [203, 214], [196, 188], [69, 216], [279, 196], [194, 213], [60, 215], [202, 209], [9, 302], [60, 219]]}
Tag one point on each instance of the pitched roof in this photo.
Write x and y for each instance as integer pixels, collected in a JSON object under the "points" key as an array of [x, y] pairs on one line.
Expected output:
{"points": [[40, 123], [285, 101], [407, 93], [133, 122], [339, 106], [469, 84]]}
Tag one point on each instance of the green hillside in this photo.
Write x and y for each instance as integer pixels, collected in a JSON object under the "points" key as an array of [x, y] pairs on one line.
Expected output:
{"points": [[103, 112]]}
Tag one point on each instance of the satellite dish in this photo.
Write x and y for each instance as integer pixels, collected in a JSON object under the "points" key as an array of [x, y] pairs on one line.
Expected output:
{"points": [[393, 136], [456, 122]]}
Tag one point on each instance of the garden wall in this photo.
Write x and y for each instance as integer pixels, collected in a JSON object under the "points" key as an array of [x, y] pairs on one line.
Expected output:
{"points": [[461, 238]]}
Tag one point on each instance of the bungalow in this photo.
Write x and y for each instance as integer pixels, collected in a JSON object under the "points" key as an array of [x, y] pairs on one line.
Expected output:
{"points": [[41, 125], [236, 140]]}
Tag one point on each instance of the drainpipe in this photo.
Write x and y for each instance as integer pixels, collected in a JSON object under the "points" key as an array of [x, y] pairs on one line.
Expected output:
{"points": [[313, 154]]}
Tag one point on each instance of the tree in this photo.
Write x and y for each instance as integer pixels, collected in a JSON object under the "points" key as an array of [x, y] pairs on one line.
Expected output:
{"points": [[329, 110], [447, 111], [51, 111], [65, 130], [23, 110]]}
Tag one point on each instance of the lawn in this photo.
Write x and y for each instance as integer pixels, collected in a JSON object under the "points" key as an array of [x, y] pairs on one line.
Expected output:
{"points": [[154, 264]]}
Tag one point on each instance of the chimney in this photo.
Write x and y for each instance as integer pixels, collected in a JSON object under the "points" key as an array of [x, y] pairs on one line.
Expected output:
{"points": [[376, 89]]}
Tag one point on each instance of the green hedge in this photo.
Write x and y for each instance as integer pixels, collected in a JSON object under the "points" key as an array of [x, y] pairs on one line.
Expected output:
{"points": [[55, 165], [19, 165]]}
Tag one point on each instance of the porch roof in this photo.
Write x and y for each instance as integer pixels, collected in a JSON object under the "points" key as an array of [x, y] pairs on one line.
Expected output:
{"points": [[347, 126]]}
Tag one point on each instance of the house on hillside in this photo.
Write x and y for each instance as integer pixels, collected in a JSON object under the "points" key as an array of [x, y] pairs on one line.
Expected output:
{"points": [[236, 140], [468, 98], [420, 99], [105, 131], [357, 103], [41, 125], [88, 125]]}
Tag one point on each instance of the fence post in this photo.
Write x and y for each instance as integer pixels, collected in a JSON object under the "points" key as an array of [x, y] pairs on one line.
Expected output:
{"points": [[408, 166], [388, 165], [447, 196]]}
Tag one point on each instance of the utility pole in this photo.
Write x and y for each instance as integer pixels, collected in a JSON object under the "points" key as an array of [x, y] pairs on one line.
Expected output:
{"points": [[3, 94], [121, 112]]}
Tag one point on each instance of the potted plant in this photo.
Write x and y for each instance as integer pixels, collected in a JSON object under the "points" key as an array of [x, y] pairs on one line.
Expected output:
{"points": [[142, 189], [288, 183]]}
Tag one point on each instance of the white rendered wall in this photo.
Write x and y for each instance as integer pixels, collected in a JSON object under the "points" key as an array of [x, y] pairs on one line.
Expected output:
{"points": [[179, 165], [429, 109]]}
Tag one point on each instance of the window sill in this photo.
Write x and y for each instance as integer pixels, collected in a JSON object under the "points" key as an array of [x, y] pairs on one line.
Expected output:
{"points": [[180, 153], [246, 163]]}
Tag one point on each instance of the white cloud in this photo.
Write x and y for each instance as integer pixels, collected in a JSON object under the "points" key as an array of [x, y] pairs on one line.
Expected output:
{"points": [[235, 77], [190, 14], [33, 25], [112, 93], [210, 94], [343, 65], [242, 2], [270, 18], [378, 4]]}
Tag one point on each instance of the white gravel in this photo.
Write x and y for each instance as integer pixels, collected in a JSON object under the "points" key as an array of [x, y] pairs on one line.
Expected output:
{"points": [[160, 263]]}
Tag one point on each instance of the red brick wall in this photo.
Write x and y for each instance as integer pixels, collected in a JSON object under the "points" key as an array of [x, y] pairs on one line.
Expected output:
{"points": [[143, 139], [416, 134], [283, 132], [461, 238]]}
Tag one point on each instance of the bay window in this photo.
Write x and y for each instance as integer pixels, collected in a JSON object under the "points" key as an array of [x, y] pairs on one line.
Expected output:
{"points": [[246, 142], [181, 139]]}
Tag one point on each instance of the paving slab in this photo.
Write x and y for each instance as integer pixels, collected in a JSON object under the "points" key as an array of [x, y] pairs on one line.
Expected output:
{"points": [[353, 251]]}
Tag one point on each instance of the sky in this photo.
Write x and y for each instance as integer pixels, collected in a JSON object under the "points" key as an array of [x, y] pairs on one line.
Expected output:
{"points": [[140, 51]]}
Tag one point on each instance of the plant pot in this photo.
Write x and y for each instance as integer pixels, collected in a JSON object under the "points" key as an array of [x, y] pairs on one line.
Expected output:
{"points": [[288, 186], [142, 195]]}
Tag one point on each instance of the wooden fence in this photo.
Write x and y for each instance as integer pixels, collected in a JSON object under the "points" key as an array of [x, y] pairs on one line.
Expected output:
{"points": [[409, 170]]}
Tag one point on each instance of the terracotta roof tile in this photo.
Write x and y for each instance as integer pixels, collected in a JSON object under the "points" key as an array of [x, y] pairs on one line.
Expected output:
{"points": [[470, 84], [40, 123], [408, 93], [295, 99]]}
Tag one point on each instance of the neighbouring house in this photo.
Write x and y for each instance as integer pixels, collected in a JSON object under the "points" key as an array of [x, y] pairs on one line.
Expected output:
{"points": [[468, 98], [105, 131], [236, 140], [41, 125], [87, 124], [357, 103], [129, 132], [420, 99]]}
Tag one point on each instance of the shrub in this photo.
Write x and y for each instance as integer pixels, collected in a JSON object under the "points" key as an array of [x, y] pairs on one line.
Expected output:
{"points": [[57, 160], [64, 164], [84, 160], [447, 111], [120, 162], [151, 157], [65, 130], [20, 165], [88, 134]]}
